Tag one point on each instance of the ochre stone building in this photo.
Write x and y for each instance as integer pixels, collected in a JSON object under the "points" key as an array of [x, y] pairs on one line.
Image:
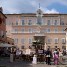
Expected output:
{"points": [[24, 28]]}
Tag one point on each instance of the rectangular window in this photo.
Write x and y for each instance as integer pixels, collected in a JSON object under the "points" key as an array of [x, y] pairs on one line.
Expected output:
{"points": [[30, 30], [49, 41], [63, 40], [29, 23], [16, 22], [56, 40], [48, 23], [39, 20], [23, 22], [22, 29], [48, 30], [30, 41], [55, 30], [22, 40], [63, 30], [55, 23], [16, 40], [15, 30], [62, 23]]}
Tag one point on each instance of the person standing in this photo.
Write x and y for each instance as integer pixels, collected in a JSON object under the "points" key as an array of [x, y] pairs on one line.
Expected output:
{"points": [[48, 56], [18, 53], [56, 57], [64, 52], [60, 56]]}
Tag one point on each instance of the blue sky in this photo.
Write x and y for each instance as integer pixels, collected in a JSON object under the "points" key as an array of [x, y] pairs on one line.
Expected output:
{"points": [[31, 6]]}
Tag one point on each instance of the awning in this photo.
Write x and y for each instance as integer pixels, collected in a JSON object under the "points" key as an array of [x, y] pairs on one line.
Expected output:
{"points": [[5, 45]]}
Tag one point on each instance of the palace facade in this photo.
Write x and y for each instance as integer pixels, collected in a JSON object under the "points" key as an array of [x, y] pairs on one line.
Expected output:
{"points": [[25, 28]]}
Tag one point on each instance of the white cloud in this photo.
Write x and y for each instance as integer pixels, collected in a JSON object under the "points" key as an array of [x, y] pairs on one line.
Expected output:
{"points": [[52, 11], [20, 6], [45, 10]]}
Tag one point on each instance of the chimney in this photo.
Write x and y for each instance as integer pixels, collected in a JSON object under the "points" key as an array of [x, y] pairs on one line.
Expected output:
{"points": [[1, 9]]}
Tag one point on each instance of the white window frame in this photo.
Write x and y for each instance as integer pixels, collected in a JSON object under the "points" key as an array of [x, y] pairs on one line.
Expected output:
{"points": [[22, 30], [62, 23], [63, 40], [48, 22], [49, 41], [16, 23], [55, 30], [30, 22], [39, 20], [63, 30], [30, 30], [56, 40], [22, 41], [16, 40], [55, 23], [30, 40], [48, 30], [23, 23], [16, 30]]}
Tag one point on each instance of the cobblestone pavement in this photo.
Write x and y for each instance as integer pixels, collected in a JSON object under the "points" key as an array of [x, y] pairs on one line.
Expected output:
{"points": [[20, 63]]}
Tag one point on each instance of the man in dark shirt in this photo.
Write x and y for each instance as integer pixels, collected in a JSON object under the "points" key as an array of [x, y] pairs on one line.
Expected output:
{"points": [[48, 56]]}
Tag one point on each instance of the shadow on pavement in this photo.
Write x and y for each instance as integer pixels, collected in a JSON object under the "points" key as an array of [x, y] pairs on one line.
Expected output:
{"points": [[5, 62]]}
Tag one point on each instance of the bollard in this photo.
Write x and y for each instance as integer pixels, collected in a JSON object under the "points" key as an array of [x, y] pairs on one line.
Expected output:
{"points": [[34, 59], [11, 57]]}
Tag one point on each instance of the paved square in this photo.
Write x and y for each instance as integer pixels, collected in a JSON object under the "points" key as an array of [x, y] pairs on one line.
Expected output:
{"points": [[21, 63]]}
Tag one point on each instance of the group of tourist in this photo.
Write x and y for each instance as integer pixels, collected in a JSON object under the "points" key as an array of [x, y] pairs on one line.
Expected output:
{"points": [[22, 54], [55, 56]]}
